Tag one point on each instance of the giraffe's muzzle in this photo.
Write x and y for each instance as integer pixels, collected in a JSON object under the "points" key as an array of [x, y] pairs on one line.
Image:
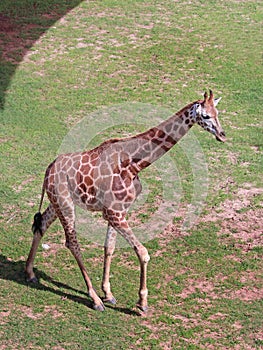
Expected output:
{"points": [[221, 136]]}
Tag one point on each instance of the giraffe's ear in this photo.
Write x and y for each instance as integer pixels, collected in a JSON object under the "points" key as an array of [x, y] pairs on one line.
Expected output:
{"points": [[216, 100]]}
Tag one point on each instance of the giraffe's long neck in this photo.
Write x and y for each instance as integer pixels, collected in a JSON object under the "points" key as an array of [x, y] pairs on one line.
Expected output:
{"points": [[155, 142]]}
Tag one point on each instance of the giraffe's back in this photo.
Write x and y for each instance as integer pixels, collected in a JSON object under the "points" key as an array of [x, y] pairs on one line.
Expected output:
{"points": [[95, 180]]}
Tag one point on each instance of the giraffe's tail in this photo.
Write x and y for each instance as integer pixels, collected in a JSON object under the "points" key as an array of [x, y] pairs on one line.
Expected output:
{"points": [[37, 223]]}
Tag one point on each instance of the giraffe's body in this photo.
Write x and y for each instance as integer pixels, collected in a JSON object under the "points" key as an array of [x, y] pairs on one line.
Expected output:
{"points": [[106, 179]]}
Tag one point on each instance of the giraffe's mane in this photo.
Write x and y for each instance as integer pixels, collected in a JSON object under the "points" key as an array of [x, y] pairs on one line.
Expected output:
{"points": [[114, 140], [181, 111]]}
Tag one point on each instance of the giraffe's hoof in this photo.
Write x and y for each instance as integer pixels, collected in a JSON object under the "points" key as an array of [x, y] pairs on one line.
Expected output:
{"points": [[142, 308], [111, 301], [99, 307], [32, 280]]}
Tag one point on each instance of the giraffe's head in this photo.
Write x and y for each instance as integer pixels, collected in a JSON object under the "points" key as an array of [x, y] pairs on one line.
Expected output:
{"points": [[207, 116]]}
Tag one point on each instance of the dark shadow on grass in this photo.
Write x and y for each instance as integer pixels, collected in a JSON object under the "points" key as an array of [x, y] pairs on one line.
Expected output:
{"points": [[123, 310], [22, 23], [15, 271]]}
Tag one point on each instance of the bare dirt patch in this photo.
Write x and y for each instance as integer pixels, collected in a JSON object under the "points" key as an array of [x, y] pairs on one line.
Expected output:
{"points": [[23, 184], [19, 35], [246, 294], [204, 286], [29, 312], [52, 249], [239, 220], [48, 310], [18, 38], [4, 316]]}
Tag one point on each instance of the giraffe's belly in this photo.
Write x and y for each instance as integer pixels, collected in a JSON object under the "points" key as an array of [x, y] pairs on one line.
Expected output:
{"points": [[102, 201], [107, 192], [87, 202]]}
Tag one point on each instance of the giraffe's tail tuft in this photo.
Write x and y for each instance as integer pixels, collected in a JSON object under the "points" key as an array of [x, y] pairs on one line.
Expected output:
{"points": [[37, 224]]}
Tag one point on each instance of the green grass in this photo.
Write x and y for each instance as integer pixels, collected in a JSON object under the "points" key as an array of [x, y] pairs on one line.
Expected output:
{"points": [[204, 285]]}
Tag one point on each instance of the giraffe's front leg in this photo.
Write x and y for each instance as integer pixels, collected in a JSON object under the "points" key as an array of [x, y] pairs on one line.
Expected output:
{"points": [[109, 248], [144, 258], [123, 228]]}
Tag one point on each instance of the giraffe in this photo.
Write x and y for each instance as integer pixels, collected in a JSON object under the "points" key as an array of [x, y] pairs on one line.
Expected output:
{"points": [[106, 179]]}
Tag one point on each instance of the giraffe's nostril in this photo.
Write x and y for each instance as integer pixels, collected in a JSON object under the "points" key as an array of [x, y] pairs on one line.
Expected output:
{"points": [[223, 133]]}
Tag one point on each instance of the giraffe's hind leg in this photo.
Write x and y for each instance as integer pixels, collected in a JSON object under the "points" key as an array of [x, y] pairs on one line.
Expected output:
{"points": [[66, 215], [109, 248], [40, 225]]}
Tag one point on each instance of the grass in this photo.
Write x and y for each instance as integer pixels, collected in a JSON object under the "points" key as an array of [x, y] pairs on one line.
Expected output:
{"points": [[205, 288]]}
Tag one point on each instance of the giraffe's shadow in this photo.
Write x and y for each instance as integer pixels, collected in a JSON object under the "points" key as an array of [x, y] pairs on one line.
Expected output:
{"points": [[15, 271]]}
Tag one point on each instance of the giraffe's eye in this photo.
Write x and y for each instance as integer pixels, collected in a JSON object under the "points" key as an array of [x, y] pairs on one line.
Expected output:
{"points": [[205, 116]]}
